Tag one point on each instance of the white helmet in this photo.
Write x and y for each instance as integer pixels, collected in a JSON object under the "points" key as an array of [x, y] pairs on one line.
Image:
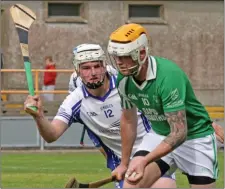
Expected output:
{"points": [[87, 53]]}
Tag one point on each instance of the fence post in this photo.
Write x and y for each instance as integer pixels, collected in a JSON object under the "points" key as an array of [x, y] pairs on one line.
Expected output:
{"points": [[42, 142], [38, 138], [36, 82]]}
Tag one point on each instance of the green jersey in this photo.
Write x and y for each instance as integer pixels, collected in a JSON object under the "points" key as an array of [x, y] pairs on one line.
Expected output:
{"points": [[166, 89]]}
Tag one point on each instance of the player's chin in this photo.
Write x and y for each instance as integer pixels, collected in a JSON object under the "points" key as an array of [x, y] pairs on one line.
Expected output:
{"points": [[124, 72]]}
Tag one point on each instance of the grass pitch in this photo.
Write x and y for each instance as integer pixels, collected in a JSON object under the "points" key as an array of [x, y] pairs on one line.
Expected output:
{"points": [[53, 170]]}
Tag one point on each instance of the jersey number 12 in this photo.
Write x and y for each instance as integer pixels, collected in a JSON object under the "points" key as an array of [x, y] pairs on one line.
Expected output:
{"points": [[108, 113]]}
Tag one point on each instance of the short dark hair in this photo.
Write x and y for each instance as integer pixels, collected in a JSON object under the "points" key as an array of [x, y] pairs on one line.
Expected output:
{"points": [[49, 58]]}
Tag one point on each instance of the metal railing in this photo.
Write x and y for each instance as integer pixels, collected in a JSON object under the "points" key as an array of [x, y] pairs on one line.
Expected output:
{"points": [[35, 79], [215, 112]]}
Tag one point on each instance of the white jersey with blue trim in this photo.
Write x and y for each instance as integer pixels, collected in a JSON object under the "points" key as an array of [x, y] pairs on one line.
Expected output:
{"points": [[74, 82], [101, 115]]}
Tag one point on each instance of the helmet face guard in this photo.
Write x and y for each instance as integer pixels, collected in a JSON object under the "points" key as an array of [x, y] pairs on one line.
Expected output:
{"points": [[128, 40], [87, 53], [130, 70], [98, 74]]}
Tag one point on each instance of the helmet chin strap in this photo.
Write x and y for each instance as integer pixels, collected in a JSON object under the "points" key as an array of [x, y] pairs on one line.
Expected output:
{"points": [[141, 62], [138, 71], [95, 85]]}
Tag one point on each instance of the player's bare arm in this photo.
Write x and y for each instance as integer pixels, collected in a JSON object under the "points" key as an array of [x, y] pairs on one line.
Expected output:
{"points": [[50, 131], [178, 128], [128, 125], [178, 133]]}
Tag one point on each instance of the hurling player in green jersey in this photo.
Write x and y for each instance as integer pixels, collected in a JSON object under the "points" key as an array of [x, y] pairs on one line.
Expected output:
{"points": [[162, 91]]}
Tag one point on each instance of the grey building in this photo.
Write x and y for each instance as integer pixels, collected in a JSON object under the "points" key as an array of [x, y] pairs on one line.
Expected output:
{"points": [[188, 32]]}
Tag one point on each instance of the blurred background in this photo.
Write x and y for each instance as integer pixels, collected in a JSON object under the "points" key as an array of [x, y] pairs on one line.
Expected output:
{"points": [[187, 32]]}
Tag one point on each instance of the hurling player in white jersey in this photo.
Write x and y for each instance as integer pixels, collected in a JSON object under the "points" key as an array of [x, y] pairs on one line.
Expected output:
{"points": [[76, 81], [95, 104]]}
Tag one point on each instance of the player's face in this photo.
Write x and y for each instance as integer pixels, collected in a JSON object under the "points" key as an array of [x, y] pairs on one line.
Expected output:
{"points": [[92, 72], [125, 64], [47, 62]]}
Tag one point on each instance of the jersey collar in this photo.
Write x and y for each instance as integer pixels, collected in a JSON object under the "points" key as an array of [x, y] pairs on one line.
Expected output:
{"points": [[112, 86], [152, 68]]}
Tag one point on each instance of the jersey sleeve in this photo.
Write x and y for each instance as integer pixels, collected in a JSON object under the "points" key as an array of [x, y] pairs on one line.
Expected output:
{"points": [[72, 87], [75, 81], [111, 70], [69, 110], [173, 91], [126, 103]]}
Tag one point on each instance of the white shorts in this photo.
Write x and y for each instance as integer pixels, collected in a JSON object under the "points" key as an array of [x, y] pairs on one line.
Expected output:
{"points": [[48, 96], [196, 157]]}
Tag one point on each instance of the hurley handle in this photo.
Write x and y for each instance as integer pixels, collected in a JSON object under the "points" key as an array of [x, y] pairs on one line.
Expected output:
{"points": [[27, 67]]}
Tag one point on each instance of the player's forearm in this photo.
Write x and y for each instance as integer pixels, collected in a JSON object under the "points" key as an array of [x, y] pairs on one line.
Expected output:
{"points": [[178, 128], [46, 129], [161, 150], [127, 145], [128, 135], [165, 147], [178, 134]]}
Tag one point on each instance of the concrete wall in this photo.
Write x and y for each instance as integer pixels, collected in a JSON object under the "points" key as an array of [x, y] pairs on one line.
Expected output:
{"points": [[193, 37], [22, 132]]}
